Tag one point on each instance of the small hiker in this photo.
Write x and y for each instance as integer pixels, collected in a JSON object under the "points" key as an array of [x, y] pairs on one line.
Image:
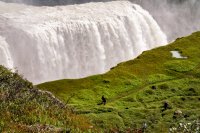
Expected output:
{"points": [[103, 100], [166, 105]]}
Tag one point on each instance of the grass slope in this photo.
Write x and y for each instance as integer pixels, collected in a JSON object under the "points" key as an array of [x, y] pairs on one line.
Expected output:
{"points": [[137, 89], [24, 108]]}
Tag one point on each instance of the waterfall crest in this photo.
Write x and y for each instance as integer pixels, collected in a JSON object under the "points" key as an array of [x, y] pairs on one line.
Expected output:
{"points": [[74, 41]]}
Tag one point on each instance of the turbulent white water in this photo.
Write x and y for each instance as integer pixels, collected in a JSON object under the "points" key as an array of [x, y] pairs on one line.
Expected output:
{"points": [[48, 43]]}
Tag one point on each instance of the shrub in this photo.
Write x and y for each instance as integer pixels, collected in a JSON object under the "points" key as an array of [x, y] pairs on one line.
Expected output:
{"points": [[149, 92], [163, 86]]}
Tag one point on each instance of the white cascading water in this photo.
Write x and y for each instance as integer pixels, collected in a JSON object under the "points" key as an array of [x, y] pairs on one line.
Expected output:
{"points": [[49, 43]]}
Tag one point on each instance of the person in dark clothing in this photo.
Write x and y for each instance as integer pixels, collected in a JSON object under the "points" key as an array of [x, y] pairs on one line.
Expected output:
{"points": [[103, 100], [166, 106]]}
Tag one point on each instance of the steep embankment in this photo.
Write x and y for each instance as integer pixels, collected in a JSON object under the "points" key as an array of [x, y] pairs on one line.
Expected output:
{"points": [[137, 90], [24, 108]]}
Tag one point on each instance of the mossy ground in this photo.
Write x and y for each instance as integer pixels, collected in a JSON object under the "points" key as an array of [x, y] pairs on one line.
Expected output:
{"points": [[136, 90]]}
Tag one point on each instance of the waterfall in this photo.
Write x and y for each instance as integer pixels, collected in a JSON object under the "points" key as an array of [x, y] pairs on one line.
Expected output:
{"points": [[5, 56], [74, 41]]}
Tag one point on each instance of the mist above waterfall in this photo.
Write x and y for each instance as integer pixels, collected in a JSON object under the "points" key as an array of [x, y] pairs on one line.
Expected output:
{"points": [[74, 41], [176, 18]]}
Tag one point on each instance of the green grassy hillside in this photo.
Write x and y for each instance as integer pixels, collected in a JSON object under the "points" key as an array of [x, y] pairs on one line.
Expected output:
{"points": [[24, 108], [136, 90]]}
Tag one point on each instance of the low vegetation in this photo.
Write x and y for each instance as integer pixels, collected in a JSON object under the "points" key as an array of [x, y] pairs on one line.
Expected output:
{"points": [[137, 91], [24, 108]]}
